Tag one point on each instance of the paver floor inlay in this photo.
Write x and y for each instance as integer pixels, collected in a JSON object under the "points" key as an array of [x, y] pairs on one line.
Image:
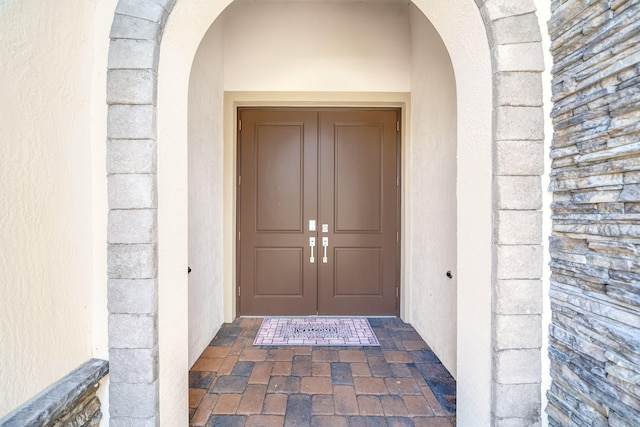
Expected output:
{"points": [[399, 383]]}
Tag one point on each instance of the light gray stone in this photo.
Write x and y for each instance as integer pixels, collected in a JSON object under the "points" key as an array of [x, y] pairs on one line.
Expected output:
{"points": [[129, 296], [516, 401], [518, 123], [133, 400], [517, 422], [518, 262], [518, 192], [69, 401], [520, 366], [605, 195], [517, 89], [131, 122], [610, 154], [129, 27], [129, 54], [630, 193], [134, 422], [127, 156], [145, 9], [133, 226], [132, 191], [514, 29], [518, 157], [518, 227], [497, 9], [131, 87], [517, 332], [517, 297], [517, 57], [133, 331], [616, 420], [133, 365], [132, 261]]}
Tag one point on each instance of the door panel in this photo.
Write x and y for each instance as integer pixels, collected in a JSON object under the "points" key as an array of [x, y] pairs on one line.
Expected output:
{"points": [[279, 271], [358, 178], [358, 200], [358, 271], [280, 176], [335, 166], [278, 165]]}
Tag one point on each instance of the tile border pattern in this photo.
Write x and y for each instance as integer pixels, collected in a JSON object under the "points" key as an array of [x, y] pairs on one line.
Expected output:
{"points": [[322, 331]]}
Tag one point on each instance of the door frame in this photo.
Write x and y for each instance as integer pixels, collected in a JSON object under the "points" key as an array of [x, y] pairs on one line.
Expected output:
{"points": [[235, 100], [399, 171]]}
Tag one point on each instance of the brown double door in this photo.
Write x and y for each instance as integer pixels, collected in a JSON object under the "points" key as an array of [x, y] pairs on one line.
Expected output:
{"points": [[318, 197]]}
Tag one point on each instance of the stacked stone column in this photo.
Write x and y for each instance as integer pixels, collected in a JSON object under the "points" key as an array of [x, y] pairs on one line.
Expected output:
{"points": [[132, 227], [594, 343], [518, 145]]}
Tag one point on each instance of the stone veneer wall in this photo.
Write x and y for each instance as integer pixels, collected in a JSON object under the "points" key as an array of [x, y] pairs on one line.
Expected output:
{"points": [[595, 177]]}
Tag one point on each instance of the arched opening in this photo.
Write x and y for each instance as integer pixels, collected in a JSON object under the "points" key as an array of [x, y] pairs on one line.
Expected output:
{"points": [[463, 38], [412, 48]]}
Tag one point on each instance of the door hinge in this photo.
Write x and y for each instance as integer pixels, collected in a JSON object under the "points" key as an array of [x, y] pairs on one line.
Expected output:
{"points": [[397, 181], [397, 236], [239, 124], [397, 292], [398, 126], [238, 235], [238, 290], [239, 180]]}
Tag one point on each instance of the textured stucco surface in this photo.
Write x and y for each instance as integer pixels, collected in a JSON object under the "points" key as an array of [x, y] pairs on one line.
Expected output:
{"points": [[206, 100], [317, 46], [430, 161], [45, 194]]}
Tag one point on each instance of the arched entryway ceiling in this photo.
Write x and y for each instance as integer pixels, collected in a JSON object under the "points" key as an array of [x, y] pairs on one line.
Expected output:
{"points": [[503, 324]]}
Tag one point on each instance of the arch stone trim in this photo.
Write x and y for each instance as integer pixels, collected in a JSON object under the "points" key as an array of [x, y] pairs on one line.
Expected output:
{"points": [[518, 163], [132, 253], [132, 237]]}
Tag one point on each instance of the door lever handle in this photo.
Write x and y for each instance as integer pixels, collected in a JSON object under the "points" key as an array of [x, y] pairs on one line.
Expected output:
{"points": [[312, 244], [325, 243]]}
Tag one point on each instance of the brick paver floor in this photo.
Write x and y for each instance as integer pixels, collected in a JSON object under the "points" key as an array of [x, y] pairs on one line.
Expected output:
{"points": [[400, 383]]}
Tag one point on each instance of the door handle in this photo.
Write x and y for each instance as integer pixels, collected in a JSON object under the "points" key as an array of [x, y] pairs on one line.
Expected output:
{"points": [[325, 243], [312, 244]]}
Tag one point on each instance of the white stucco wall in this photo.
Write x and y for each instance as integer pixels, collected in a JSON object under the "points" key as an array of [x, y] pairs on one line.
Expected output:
{"points": [[430, 161], [459, 24], [206, 98], [46, 196], [316, 46]]}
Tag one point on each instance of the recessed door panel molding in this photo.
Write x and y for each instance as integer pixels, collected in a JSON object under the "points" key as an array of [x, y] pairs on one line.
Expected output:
{"points": [[358, 272], [318, 211], [279, 271], [279, 178], [358, 178]]}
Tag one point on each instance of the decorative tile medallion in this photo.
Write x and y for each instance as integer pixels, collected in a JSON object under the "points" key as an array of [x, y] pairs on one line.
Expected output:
{"points": [[325, 331]]}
